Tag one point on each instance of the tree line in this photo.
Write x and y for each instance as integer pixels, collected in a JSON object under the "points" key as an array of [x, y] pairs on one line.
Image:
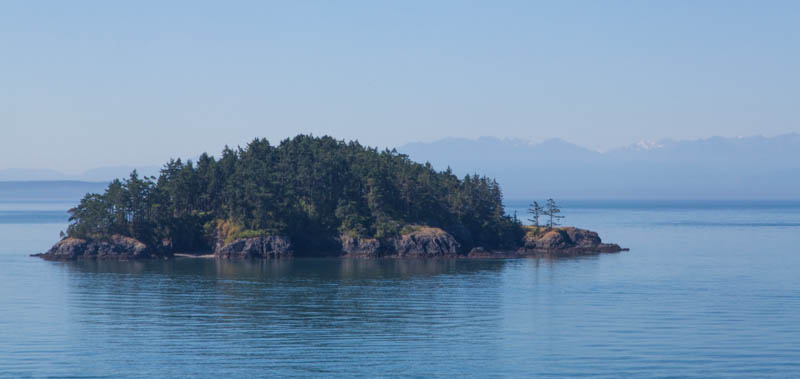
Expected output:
{"points": [[311, 189]]}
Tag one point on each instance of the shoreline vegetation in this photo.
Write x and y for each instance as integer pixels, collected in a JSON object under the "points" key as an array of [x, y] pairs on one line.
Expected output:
{"points": [[308, 197]]}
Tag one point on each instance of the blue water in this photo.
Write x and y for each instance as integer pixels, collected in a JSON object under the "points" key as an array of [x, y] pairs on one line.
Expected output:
{"points": [[707, 290]]}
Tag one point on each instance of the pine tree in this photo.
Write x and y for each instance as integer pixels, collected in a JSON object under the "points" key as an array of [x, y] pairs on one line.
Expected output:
{"points": [[535, 211], [552, 211], [305, 187]]}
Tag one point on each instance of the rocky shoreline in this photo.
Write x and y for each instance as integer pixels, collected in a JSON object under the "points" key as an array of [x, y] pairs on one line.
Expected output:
{"points": [[423, 242], [115, 248]]}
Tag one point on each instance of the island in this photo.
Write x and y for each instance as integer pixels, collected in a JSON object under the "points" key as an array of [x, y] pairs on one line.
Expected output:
{"points": [[308, 197]]}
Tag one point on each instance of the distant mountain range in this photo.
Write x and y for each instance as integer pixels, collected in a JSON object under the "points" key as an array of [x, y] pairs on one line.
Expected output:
{"points": [[53, 186], [100, 174], [714, 168], [65, 191]]}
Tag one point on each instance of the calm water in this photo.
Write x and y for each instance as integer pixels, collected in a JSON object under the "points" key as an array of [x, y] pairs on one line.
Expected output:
{"points": [[707, 290]]}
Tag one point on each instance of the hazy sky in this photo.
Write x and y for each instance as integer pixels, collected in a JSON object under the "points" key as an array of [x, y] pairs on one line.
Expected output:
{"points": [[86, 84]]}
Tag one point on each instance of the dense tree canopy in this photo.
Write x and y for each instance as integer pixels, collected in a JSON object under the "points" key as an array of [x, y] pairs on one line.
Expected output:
{"points": [[311, 189]]}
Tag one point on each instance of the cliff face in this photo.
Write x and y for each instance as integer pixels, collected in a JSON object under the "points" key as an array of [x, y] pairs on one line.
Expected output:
{"points": [[363, 247], [117, 247], [256, 247], [425, 242]]}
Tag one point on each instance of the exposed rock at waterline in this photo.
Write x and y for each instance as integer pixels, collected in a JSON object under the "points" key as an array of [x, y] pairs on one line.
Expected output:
{"points": [[565, 241], [421, 242], [256, 247], [117, 247]]}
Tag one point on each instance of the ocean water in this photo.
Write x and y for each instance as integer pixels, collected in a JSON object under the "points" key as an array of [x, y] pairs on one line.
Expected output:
{"points": [[708, 289]]}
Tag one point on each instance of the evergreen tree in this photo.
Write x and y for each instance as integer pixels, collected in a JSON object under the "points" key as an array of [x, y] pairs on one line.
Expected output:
{"points": [[535, 211], [552, 212], [308, 188]]}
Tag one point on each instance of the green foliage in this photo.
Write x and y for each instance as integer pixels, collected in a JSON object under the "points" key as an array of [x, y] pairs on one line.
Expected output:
{"points": [[305, 187]]}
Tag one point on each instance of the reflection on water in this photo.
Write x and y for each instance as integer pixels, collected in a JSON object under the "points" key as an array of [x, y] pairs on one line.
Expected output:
{"points": [[297, 316], [703, 292], [270, 270], [292, 291]]}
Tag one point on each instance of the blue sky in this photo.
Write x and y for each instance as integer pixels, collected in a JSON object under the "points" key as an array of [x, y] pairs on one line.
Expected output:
{"points": [[86, 84]]}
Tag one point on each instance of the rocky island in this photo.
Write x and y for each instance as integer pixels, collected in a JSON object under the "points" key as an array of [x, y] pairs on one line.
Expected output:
{"points": [[307, 197]]}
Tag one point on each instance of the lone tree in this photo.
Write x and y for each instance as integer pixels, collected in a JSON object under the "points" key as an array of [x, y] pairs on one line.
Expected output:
{"points": [[552, 211], [535, 211]]}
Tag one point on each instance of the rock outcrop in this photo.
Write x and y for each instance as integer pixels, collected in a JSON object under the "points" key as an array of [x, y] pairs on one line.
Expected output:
{"points": [[566, 241], [421, 242], [117, 247], [362, 247], [424, 242], [256, 247]]}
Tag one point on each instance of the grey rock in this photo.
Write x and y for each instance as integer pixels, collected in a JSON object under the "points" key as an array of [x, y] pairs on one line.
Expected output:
{"points": [[256, 247], [423, 242], [566, 241], [426, 242], [117, 247], [362, 247]]}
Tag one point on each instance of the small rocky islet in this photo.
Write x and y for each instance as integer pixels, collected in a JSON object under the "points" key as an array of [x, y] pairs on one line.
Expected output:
{"points": [[309, 197], [426, 242]]}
